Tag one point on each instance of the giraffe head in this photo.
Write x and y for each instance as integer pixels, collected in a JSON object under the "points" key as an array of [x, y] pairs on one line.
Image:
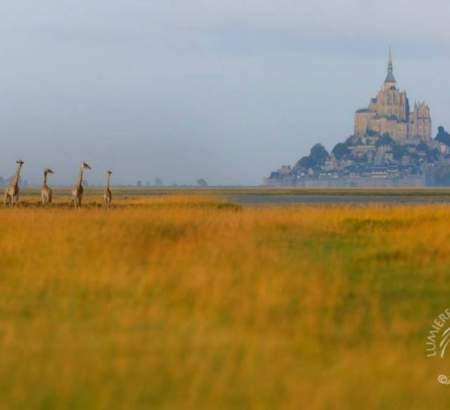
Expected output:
{"points": [[19, 162], [85, 165], [48, 171], [109, 172]]}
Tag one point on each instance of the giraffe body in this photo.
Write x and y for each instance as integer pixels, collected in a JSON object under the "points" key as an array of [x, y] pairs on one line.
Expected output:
{"points": [[107, 197], [46, 191], [12, 190], [78, 190]]}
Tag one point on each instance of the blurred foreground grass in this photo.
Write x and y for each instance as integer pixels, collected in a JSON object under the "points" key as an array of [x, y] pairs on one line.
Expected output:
{"points": [[188, 302]]}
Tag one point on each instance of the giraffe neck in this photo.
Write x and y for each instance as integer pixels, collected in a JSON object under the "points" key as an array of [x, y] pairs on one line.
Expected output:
{"points": [[108, 181], [17, 176], [80, 179], [45, 178]]}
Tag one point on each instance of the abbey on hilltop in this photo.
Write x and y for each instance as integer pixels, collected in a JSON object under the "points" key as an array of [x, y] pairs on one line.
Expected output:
{"points": [[390, 145], [389, 113]]}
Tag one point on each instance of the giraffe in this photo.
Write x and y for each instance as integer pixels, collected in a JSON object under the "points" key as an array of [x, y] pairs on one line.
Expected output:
{"points": [[12, 191], [77, 191], [46, 191], [107, 197]]}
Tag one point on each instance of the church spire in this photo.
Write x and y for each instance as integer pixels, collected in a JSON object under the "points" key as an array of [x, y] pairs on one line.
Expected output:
{"points": [[390, 74]]}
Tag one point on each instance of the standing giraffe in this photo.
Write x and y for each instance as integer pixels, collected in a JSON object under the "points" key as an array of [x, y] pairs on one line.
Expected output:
{"points": [[46, 191], [107, 197], [12, 191], [77, 191]]}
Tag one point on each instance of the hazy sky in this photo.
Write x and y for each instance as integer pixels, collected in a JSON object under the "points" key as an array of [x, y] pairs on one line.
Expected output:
{"points": [[184, 89]]}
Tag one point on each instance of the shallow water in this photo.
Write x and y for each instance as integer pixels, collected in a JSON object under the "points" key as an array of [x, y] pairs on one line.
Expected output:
{"points": [[249, 199]]}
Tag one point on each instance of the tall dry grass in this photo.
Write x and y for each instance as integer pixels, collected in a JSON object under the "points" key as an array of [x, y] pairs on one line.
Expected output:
{"points": [[187, 302]]}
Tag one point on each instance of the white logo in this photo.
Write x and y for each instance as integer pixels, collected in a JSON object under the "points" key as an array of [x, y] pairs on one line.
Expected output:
{"points": [[438, 340], [438, 337], [445, 340], [443, 379]]}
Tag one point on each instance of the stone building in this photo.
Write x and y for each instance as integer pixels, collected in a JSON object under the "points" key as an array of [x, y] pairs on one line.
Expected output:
{"points": [[389, 113]]}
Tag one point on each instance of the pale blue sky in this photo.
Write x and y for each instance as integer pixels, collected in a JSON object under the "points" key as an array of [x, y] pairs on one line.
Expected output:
{"points": [[187, 89]]}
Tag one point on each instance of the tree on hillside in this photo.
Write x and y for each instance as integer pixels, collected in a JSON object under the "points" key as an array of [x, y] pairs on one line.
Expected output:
{"points": [[340, 150], [305, 163], [399, 151], [431, 153], [385, 140], [319, 154], [443, 136]]}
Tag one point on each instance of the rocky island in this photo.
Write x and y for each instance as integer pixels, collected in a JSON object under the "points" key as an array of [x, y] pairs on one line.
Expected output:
{"points": [[391, 145]]}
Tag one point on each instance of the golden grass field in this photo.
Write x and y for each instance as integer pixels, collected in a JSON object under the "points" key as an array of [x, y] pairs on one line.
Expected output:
{"points": [[185, 301]]}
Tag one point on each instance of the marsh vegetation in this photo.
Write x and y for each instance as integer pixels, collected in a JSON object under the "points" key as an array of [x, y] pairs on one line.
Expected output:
{"points": [[188, 301]]}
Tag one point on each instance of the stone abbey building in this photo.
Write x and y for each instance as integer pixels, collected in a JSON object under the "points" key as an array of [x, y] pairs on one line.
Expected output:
{"points": [[390, 113]]}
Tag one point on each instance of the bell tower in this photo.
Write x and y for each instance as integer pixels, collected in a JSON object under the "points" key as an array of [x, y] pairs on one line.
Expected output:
{"points": [[390, 81]]}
